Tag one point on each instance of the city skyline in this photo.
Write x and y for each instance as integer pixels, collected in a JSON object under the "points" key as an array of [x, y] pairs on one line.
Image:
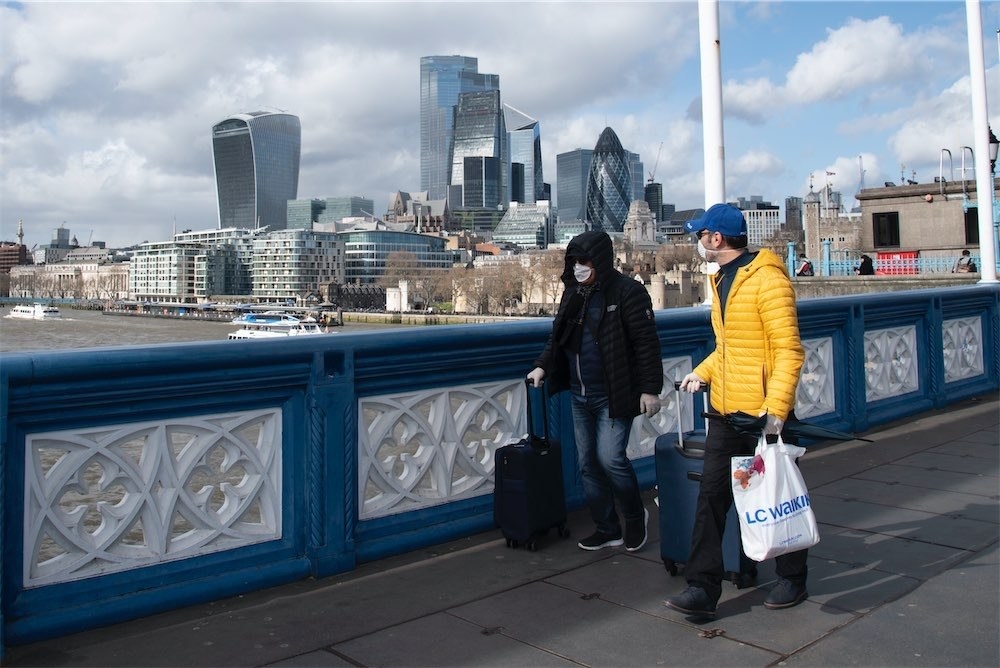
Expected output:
{"points": [[106, 107]]}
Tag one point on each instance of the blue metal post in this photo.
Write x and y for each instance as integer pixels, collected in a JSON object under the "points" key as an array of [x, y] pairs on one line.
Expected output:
{"points": [[825, 265]]}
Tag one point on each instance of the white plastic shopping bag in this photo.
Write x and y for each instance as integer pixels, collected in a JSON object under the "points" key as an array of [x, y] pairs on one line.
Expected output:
{"points": [[772, 501]]}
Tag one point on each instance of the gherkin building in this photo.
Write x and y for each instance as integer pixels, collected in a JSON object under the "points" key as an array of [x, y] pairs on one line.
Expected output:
{"points": [[609, 184]]}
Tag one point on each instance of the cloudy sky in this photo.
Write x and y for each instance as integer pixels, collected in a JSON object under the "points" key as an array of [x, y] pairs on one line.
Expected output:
{"points": [[106, 108]]}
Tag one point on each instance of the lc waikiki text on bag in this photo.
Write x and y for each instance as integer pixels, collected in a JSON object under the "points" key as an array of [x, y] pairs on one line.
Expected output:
{"points": [[772, 501]]}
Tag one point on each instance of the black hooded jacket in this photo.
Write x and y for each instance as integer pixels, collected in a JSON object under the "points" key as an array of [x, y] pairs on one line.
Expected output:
{"points": [[625, 333]]}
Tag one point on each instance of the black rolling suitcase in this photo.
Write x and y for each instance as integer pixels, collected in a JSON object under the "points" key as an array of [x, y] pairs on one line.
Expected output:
{"points": [[679, 462], [528, 497]]}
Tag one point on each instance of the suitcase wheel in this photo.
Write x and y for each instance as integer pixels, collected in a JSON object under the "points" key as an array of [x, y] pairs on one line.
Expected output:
{"points": [[670, 565]]}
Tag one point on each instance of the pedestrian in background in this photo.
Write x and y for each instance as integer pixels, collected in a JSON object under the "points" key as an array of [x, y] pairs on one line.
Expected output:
{"points": [[805, 267], [605, 349], [866, 268], [754, 368], [964, 264]]}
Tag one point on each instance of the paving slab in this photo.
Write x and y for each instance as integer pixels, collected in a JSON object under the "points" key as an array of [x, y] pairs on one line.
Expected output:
{"points": [[951, 620], [592, 631], [446, 640], [913, 524], [976, 484], [936, 460], [891, 554], [936, 501]]}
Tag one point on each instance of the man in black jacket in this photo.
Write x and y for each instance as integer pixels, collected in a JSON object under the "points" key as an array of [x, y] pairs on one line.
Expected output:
{"points": [[605, 349]]}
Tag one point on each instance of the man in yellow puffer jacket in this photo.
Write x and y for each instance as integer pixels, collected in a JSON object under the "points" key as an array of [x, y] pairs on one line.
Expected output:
{"points": [[754, 369]]}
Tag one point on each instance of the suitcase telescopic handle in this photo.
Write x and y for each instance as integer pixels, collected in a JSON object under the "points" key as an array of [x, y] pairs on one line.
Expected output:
{"points": [[677, 408], [529, 386]]}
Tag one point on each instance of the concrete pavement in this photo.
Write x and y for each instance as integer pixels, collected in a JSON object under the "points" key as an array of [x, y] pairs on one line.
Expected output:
{"points": [[907, 573]]}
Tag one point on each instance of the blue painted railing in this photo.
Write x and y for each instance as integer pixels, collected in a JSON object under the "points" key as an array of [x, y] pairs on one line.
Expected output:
{"points": [[870, 359]]}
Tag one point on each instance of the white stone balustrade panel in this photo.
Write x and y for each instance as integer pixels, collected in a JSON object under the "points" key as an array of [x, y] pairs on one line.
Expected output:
{"points": [[815, 394], [107, 499], [425, 448], [891, 362], [962, 343], [642, 437]]}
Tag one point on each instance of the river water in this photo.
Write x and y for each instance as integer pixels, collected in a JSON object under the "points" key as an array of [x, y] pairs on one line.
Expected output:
{"points": [[90, 329]]}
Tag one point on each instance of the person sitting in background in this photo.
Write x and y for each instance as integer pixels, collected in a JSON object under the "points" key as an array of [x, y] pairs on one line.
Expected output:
{"points": [[805, 267], [866, 268], [964, 264]]}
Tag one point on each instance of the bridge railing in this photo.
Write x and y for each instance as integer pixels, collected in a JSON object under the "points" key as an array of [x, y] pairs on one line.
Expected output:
{"points": [[140, 479]]}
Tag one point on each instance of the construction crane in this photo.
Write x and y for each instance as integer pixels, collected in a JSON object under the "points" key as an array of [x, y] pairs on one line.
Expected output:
{"points": [[652, 174]]}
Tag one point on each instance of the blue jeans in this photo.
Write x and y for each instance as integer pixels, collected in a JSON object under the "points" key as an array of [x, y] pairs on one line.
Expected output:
{"points": [[606, 472]]}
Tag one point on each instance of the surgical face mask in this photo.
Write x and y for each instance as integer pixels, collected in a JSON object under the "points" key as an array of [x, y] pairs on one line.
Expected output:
{"points": [[702, 251], [582, 272]]}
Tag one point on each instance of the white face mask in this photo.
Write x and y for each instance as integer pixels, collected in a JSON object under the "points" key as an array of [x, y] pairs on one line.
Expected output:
{"points": [[582, 272], [702, 251]]}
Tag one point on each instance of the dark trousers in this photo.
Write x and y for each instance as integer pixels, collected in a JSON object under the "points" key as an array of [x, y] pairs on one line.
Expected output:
{"points": [[705, 567]]}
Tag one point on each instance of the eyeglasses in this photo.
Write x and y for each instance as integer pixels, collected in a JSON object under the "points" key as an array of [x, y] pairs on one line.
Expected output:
{"points": [[702, 233]]}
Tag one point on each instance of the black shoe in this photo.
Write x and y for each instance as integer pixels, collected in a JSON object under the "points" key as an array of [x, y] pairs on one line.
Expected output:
{"points": [[692, 601], [785, 594], [635, 532], [599, 540]]}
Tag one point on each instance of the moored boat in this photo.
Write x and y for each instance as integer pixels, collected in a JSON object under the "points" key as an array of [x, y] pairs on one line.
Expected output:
{"points": [[273, 324], [34, 311]]}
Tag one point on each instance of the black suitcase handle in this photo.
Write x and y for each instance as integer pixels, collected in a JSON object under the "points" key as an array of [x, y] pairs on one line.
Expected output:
{"points": [[539, 443]]}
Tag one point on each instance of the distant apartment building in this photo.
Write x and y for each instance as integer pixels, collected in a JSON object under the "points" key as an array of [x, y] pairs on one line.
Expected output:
{"points": [[442, 80], [226, 270], [367, 251], [256, 157], [165, 271], [294, 264], [12, 255]]}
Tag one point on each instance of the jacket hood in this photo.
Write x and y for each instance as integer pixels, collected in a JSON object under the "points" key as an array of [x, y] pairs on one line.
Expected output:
{"points": [[595, 245], [767, 258]]}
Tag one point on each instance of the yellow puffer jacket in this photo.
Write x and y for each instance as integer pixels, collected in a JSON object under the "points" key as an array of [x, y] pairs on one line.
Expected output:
{"points": [[758, 354]]}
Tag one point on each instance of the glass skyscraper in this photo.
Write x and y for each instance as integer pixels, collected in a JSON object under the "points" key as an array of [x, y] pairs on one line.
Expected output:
{"points": [[572, 169], [479, 156], [609, 184], [256, 158], [442, 80], [524, 144]]}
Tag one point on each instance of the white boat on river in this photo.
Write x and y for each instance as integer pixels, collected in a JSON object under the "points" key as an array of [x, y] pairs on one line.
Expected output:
{"points": [[273, 324], [34, 311]]}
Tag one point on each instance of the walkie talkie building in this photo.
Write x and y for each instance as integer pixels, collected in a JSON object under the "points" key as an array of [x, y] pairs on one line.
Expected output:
{"points": [[256, 158]]}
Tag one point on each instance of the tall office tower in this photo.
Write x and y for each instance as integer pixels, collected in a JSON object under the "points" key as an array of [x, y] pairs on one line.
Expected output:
{"points": [[572, 169], [524, 143], [442, 80], [654, 198], [609, 184], [479, 156], [635, 168], [256, 158]]}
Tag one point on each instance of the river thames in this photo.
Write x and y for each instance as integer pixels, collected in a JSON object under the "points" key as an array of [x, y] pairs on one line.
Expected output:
{"points": [[91, 329]]}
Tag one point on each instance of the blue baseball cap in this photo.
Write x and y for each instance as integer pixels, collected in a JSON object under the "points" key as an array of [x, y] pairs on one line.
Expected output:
{"points": [[725, 219]]}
